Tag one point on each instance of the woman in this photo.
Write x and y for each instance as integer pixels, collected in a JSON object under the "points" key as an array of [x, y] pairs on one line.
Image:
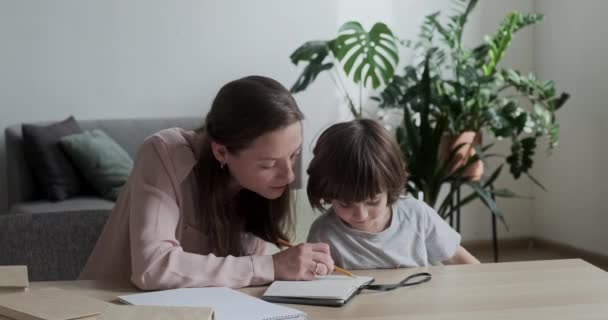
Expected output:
{"points": [[199, 206]]}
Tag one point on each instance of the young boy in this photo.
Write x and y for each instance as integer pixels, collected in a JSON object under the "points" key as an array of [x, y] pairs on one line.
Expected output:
{"points": [[357, 167]]}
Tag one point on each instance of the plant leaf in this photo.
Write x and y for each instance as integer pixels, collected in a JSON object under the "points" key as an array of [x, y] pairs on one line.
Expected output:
{"points": [[493, 176], [536, 182], [369, 58], [313, 52], [486, 198], [506, 193]]}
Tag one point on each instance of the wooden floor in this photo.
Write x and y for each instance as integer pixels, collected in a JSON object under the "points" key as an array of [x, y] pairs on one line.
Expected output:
{"points": [[530, 252]]}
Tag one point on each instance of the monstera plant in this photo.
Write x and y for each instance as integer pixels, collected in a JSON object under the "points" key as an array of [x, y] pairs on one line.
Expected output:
{"points": [[452, 91], [367, 58]]}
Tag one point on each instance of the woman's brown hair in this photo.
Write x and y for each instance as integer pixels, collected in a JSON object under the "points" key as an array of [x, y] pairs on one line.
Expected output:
{"points": [[355, 161], [242, 110]]}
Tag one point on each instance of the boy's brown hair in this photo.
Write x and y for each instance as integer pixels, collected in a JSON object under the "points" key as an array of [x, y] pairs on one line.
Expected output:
{"points": [[355, 161]]}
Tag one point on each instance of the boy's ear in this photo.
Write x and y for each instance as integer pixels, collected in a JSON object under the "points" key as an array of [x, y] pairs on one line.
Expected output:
{"points": [[219, 152]]}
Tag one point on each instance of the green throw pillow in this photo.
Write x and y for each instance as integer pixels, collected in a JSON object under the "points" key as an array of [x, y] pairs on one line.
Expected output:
{"points": [[102, 161]]}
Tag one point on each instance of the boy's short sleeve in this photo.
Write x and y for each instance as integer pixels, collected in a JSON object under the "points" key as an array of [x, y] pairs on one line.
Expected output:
{"points": [[441, 240]]}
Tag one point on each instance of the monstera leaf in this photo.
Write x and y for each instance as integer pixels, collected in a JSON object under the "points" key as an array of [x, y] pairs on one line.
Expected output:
{"points": [[366, 56], [315, 53]]}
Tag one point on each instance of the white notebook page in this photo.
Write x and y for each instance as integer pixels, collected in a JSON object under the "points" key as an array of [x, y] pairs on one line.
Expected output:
{"points": [[226, 303]]}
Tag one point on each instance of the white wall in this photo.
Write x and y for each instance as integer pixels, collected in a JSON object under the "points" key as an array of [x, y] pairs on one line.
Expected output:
{"points": [[152, 58], [571, 48], [155, 58]]}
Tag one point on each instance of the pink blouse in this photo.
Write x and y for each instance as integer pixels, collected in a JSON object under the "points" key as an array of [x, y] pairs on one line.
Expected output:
{"points": [[152, 236]]}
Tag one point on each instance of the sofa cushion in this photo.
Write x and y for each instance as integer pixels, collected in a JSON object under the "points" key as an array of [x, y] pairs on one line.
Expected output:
{"points": [[69, 205], [129, 133], [53, 171], [103, 162]]}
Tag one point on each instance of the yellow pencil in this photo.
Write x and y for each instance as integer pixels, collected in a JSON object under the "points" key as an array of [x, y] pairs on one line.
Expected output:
{"points": [[343, 271]]}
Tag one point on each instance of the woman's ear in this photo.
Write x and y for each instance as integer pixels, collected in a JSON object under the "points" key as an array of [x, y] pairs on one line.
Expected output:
{"points": [[219, 152]]}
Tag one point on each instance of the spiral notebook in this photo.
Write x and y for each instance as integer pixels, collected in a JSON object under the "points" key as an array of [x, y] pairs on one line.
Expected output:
{"points": [[330, 290], [226, 303]]}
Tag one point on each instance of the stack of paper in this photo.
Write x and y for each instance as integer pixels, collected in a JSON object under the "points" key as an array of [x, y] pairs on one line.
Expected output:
{"points": [[13, 279], [52, 304]]}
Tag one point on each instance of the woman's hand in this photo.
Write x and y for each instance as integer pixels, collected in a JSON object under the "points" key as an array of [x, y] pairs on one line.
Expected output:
{"points": [[303, 262]]}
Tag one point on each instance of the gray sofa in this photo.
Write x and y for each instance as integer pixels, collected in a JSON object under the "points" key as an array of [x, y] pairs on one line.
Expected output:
{"points": [[54, 239]]}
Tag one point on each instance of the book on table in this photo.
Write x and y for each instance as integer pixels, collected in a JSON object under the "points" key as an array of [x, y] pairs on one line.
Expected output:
{"points": [[13, 279], [330, 290]]}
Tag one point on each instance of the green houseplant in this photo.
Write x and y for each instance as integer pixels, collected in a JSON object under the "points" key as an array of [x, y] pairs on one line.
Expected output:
{"points": [[454, 90], [368, 58]]}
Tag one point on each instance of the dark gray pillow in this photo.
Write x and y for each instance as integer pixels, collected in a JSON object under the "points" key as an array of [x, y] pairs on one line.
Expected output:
{"points": [[102, 161], [56, 177]]}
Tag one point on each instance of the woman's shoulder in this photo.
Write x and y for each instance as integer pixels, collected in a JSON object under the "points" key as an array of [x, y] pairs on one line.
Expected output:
{"points": [[171, 138], [174, 147]]}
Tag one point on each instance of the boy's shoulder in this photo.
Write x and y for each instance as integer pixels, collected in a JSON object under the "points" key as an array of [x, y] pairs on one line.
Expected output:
{"points": [[323, 226], [411, 208], [324, 219], [409, 201]]}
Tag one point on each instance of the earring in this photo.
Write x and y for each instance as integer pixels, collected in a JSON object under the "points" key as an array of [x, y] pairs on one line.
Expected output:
{"points": [[222, 165]]}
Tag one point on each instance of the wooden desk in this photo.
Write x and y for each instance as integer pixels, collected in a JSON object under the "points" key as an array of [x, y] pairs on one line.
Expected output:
{"points": [[553, 289]]}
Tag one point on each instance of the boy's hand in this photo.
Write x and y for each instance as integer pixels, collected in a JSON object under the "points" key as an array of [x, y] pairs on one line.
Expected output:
{"points": [[303, 262], [461, 256]]}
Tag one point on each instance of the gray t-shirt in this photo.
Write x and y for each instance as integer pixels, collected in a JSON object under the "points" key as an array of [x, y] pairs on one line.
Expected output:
{"points": [[415, 237]]}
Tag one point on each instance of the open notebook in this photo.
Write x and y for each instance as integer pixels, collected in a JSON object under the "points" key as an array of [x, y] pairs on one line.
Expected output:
{"points": [[331, 290], [226, 303]]}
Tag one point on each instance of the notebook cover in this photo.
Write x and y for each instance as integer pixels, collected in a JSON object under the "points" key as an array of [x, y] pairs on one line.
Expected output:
{"points": [[316, 301]]}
